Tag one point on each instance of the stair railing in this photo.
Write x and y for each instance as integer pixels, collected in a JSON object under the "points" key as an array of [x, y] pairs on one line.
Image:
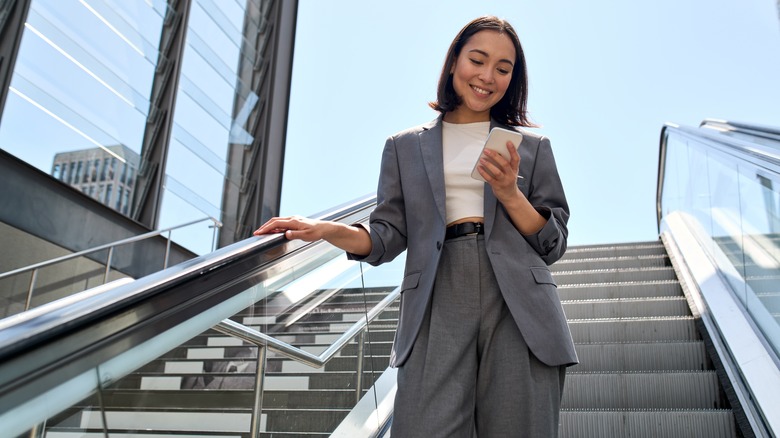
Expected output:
{"points": [[265, 342], [35, 268]]}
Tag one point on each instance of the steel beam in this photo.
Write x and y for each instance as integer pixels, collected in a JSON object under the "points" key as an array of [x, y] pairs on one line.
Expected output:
{"points": [[253, 185], [13, 14], [159, 122]]}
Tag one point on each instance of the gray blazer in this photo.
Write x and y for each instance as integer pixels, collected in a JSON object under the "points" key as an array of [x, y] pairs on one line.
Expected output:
{"points": [[410, 216]]}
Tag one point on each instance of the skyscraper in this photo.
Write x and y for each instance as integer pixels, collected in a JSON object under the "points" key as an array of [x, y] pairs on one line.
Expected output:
{"points": [[104, 174]]}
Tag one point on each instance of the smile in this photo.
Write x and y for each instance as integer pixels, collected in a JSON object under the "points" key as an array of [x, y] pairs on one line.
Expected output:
{"points": [[480, 90]]}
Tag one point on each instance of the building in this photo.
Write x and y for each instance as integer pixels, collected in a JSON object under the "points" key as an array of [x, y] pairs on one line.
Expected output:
{"points": [[175, 112], [192, 94], [104, 174]]}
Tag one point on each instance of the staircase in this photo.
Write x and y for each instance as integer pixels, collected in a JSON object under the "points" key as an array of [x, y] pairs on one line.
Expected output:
{"points": [[204, 388], [644, 370]]}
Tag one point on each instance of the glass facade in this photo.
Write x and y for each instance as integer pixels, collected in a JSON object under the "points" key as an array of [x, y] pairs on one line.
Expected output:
{"points": [[82, 78], [86, 79]]}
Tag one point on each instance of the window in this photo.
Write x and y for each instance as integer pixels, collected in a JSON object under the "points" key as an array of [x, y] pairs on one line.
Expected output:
{"points": [[119, 192], [86, 171], [104, 169], [79, 169]]}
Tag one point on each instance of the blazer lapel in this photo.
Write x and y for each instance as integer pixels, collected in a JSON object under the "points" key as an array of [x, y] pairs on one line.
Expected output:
{"points": [[433, 160]]}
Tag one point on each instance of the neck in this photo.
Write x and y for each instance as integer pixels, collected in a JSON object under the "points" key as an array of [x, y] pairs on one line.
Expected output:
{"points": [[459, 116]]}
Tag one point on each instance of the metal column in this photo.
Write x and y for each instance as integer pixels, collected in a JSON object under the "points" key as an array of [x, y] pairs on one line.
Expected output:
{"points": [[159, 122], [253, 187], [13, 14]]}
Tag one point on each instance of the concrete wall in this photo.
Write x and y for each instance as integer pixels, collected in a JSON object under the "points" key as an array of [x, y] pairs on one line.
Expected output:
{"points": [[20, 249]]}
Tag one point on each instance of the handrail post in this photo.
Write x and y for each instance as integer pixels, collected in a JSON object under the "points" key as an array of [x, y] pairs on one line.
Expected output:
{"points": [[167, 250], [36, 431], [360, 356], [33, 278], [257, 410], [108, 264], [213, 236]]}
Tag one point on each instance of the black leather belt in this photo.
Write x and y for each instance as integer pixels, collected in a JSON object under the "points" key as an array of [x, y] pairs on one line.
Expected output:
{"points": [[464, 229]]}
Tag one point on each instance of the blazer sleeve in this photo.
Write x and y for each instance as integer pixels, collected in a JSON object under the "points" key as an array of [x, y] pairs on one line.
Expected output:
{"points": [[387, 223], [546, 194]]}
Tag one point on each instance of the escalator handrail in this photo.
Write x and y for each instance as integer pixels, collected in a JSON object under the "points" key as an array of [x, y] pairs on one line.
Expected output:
{"points": [[731, 145], [25, 330], [742, 127], [734, 146]]}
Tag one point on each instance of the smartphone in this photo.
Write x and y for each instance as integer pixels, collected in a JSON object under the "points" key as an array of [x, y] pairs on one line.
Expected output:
{"points": [[497, 141]]}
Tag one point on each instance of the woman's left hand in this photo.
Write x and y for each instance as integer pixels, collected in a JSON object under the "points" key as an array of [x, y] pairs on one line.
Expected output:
{"points": [[500, 173]]}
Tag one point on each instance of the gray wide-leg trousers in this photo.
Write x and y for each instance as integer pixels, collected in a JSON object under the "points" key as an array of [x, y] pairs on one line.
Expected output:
{"points": [[470, 372]]}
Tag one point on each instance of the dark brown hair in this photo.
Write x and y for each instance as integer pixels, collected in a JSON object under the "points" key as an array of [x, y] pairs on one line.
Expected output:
{"points": [[511, 109]]}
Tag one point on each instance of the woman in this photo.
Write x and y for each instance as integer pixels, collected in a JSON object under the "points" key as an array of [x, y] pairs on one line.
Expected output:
{"points": [[482, 341]]}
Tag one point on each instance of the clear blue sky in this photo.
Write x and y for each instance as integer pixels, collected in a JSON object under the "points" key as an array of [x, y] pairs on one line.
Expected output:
{"points": [[605, 75]]}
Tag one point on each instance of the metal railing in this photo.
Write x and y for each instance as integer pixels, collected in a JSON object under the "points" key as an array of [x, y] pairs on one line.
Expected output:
{"points": [[263, 342], [35, 268]]}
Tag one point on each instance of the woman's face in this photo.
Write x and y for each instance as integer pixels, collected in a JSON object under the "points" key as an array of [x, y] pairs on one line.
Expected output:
{"points": [[481, 74]]}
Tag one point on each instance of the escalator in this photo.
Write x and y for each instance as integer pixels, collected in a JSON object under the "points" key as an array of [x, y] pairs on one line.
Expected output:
{"points": [[289, 339], [178, 352], [644, 368]]}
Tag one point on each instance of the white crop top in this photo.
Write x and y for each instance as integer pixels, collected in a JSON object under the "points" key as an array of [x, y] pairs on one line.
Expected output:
{"points": [[462, 144]]}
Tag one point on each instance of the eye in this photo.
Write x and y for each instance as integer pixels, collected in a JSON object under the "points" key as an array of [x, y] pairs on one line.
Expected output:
{"points": [[504, 71], [476, 61]]}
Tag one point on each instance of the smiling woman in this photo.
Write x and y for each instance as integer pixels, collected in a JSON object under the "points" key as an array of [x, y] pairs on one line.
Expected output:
{"points": [[489, 72], [481, 75], [482, 341]]}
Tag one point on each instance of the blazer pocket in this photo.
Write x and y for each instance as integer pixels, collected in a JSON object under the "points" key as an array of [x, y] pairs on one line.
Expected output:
{"points": [[542, 275], [410, 281]]}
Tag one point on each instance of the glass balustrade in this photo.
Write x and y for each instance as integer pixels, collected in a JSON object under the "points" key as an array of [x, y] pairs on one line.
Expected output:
{"points": [[728, 190]]}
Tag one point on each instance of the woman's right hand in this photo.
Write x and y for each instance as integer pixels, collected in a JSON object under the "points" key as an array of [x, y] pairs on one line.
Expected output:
{"points": [[352, 239], [295, 227]]}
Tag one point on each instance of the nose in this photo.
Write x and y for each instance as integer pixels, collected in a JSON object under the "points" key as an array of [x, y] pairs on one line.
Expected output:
{"points": [[486, 75]]}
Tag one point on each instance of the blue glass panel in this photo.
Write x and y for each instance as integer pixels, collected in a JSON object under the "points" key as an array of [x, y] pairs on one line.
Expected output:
{"points": [[82, 81], [760, 196], [726, 230]]}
